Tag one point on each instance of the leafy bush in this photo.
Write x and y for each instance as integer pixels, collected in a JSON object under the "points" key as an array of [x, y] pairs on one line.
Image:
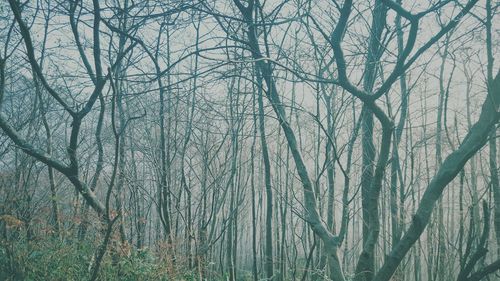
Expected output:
{"points": [[51, 259]]}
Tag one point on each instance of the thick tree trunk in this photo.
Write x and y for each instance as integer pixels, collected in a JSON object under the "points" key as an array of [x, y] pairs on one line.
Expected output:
{"points": [[365, 267], [268, 259]]}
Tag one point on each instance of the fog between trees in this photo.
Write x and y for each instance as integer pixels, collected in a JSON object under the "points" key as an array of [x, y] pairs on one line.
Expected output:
{"points": [[249, 140]]}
